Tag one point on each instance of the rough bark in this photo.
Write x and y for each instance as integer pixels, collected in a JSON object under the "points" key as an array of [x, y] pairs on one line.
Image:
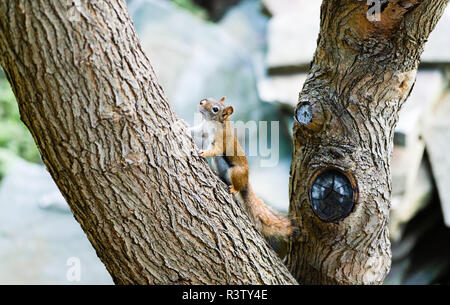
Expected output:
{"points": [[151, 207], [361, 75]]}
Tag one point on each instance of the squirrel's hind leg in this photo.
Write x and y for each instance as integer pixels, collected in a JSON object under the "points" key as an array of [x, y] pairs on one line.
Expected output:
{"points": [[239, 178], [235, 176]]}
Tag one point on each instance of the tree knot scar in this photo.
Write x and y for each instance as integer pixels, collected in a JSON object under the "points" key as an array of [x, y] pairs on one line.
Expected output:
{"points": [[310, 116], [304, 113], [332, 195]]}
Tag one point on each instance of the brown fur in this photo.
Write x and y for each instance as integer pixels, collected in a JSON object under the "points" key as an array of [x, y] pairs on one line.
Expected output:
{"points": [[266, 219], [238, 176]]}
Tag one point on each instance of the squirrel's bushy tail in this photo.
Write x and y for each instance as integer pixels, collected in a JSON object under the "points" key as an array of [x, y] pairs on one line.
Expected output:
{"points": [[268, 221]]}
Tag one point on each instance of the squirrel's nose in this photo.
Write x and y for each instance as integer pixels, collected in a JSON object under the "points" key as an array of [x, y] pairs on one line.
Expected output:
{"points": [[202, 102]]}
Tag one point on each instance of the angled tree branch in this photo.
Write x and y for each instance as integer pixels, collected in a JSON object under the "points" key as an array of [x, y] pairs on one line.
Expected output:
{"points": [[153, 210]]}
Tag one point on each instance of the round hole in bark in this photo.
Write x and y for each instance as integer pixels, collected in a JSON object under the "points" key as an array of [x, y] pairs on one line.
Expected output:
{"points": [[332, 195], [304, 114]]}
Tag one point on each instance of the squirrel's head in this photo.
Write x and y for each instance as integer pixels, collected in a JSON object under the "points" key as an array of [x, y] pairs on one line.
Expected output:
{"points": [[213, 110]]}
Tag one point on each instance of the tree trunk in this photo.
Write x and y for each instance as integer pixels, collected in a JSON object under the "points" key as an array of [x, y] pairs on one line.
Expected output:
{"points": [[151, 207], [340, 188]]}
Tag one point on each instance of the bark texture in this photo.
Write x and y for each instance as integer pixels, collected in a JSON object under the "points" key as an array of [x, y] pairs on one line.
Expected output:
{"points": [[361, 75], [151, 207]]}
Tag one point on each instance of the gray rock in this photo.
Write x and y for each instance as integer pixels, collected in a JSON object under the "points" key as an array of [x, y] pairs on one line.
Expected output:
{"points": [[195, 59], [35, 242], [247, 26]]}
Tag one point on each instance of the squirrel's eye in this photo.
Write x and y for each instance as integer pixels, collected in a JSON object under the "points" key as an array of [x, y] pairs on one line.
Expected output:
{"points": [[215, 109]]}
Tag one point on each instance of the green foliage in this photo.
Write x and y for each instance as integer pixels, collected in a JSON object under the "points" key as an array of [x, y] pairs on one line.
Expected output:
{"points": [[191, 7], [15, 139]]}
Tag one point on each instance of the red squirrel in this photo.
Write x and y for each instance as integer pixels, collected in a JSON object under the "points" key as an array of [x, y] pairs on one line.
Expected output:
{"points": [[217, 135]]}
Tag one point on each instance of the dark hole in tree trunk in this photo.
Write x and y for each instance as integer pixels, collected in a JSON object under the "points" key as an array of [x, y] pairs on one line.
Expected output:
{"points": [[332, 195]]}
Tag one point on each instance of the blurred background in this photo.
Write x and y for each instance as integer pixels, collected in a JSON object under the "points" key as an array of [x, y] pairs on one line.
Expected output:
{"points": [[257, 53]]}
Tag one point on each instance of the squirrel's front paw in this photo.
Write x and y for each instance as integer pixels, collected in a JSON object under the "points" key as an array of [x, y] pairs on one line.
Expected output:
{"points": [[233, 190], [203, 153]]}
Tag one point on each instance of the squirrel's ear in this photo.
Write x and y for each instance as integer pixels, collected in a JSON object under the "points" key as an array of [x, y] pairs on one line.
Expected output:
{"points": [[223, 99], [228, 111]]}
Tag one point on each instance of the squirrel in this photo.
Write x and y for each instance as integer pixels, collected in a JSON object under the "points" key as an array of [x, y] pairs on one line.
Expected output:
{"points": [[216, 133]]}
